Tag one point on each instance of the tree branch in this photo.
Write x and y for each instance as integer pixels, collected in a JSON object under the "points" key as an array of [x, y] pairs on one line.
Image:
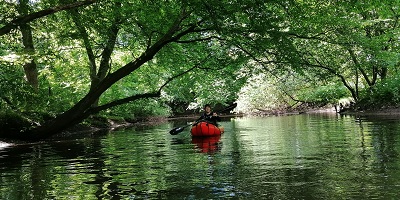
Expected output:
{"points": [[358, 66], [341, 77], [33, 16], [195, 40], [86, 42], [109, 48], [316, 36], [122, 101], [141, 96]]}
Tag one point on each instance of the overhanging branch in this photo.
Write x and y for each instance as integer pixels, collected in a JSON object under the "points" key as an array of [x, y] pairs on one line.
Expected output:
{"points": [[122, 101], [337, 74], [194, 40], [141, 96], [33, 16]]}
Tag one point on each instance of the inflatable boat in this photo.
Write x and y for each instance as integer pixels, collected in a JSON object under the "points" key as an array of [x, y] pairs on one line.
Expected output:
{"points": [[205, 129]]}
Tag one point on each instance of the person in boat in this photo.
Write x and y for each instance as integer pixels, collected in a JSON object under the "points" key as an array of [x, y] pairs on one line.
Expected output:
{"points": [[212, 117]]}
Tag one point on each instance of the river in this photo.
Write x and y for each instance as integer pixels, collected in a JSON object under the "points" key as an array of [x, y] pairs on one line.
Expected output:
{"points": [[308, 156]]}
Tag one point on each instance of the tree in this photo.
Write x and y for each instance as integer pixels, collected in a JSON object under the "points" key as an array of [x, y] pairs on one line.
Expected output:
{"points": [[27, 40], [349, 42], [322, 45], [142, 32], [92, 56], [355, 44]]}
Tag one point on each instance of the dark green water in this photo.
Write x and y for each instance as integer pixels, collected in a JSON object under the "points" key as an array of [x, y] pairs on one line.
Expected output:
{"points": [[313, 156]]}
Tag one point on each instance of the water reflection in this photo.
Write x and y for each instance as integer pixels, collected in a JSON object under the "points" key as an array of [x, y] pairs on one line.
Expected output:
{"points": [[210, 144], [317, 156]]}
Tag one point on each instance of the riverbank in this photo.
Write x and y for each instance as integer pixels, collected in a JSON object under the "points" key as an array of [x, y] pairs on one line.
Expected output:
{"points": [[158, 120], [100, 124], [385, 111], [370, 112]]}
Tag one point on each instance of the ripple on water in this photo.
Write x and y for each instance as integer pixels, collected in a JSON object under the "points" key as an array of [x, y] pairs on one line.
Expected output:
{"points": [[293, 157]]}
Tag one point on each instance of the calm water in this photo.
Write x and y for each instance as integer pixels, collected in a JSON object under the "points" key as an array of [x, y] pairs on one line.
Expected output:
{"points": [[313, 156]]}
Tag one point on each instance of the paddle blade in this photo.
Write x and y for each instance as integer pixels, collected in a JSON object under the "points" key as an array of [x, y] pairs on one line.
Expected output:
{"points": [[176, 130]]}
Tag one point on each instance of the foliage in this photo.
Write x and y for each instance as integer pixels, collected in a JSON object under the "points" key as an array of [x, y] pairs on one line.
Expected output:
{"points": [[118, 56], [9, 121], [140, 109], [261, 93], [268, 93], [325, 95], [384, 94], [329, 46]]}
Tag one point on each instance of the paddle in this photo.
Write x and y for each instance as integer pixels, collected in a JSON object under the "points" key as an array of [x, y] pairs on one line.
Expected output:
{"points": [[177, 130]]}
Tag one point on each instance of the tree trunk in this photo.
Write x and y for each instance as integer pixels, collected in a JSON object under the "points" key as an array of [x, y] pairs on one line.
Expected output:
{"points": [[30, 68]]}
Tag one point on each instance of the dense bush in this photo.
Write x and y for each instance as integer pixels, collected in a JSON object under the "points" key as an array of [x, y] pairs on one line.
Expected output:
{"points": [[325, 95], [382, 95]]}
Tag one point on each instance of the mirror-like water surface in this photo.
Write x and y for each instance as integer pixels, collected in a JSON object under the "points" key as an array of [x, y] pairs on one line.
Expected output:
{"points": [[310, 156]]}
